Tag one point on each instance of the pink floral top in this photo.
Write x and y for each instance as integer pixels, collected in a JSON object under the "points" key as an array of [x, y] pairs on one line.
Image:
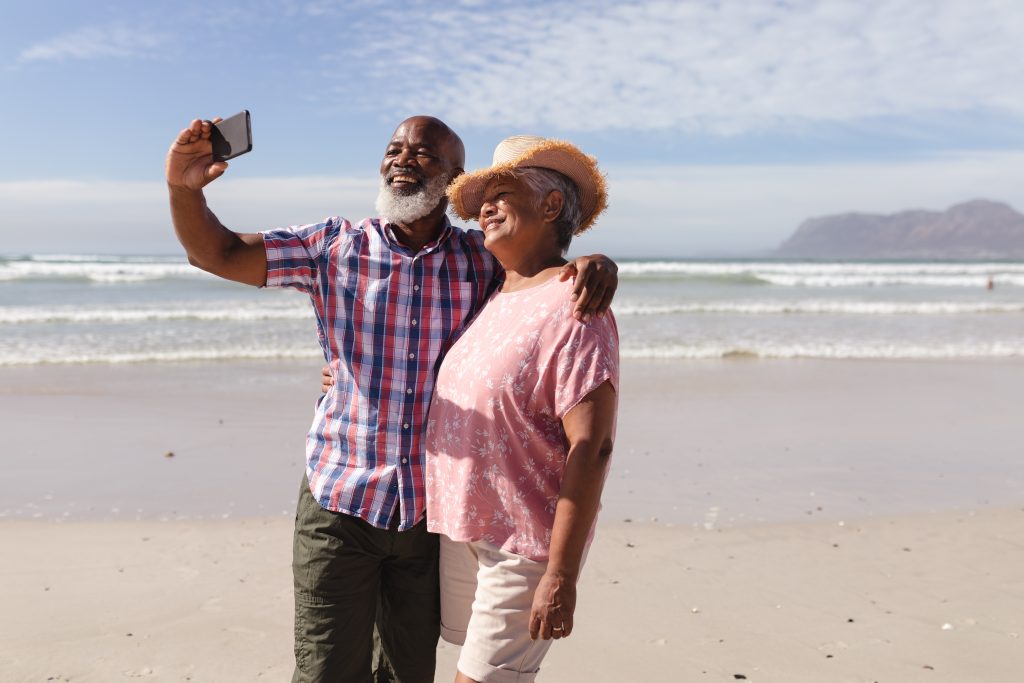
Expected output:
{"points": [[495, 445]]}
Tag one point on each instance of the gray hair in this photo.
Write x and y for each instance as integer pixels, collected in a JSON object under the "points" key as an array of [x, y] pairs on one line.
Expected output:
{"points": [[542, 181]]}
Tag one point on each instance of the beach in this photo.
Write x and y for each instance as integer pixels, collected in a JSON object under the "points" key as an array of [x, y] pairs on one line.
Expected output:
{"points": [[800, 221], [791, 520]]}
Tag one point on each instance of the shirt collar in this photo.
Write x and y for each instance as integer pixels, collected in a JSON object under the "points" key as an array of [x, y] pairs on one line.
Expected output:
{"points": [[394, 243]]}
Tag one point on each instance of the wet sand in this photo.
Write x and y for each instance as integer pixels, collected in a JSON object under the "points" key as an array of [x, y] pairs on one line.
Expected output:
{"points": [[699, 443]]}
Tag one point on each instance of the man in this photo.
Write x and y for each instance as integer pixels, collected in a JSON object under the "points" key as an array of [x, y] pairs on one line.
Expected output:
{"points": [[390, 296]]}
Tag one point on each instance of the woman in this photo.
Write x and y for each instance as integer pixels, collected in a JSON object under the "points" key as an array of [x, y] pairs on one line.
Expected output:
{"points": [[522, 420]]}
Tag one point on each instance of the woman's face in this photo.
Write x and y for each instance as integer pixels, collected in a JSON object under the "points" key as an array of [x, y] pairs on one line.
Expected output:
{"points": [[511, 216]]}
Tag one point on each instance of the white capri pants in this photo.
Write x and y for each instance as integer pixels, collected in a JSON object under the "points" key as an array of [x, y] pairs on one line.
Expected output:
{"points": [[486, 598]]}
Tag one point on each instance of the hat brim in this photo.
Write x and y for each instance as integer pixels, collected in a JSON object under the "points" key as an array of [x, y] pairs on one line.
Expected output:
{"points": [[466, 193]]}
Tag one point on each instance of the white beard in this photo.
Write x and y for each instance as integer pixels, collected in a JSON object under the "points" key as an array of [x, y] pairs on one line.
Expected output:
{"points": [[406, 208]]}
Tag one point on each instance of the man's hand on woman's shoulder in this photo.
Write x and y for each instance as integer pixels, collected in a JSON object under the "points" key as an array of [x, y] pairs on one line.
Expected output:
{"points": [[597, 278]]}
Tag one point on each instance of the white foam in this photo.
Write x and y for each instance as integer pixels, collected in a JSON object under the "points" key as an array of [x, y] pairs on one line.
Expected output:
{"points": [[822, 307], [787, 274], [116, 269], [97, 271], [700, 351], [256, 353], [977, 281], [840, 351], [235, 311], [101, 258], [221, 311], [823, 268]]}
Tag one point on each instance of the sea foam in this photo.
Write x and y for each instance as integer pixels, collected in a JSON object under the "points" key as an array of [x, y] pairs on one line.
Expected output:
{"points": [[838, 351], [821, 307], [115, 271], [789, 274]]}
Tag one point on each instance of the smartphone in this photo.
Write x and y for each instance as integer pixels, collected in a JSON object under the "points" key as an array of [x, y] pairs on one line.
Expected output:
{"points": [[232, 136]]}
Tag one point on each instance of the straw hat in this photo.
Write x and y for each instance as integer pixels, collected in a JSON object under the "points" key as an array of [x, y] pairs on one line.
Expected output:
{"points": [[529, 151]]}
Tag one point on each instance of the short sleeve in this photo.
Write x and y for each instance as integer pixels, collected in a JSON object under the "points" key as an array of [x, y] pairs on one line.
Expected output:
{"points": [[294, 254], [588, 358]]}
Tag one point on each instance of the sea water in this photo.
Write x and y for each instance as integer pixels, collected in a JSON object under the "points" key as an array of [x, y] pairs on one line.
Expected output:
{"points": [[60, 309]]}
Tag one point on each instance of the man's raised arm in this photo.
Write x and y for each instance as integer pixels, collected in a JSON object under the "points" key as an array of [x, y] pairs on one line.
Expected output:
{"points": [[208, 244]]}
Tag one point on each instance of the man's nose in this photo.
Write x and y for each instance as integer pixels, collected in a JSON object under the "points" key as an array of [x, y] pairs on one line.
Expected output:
{"points": [[405, 158], [487, 209]]}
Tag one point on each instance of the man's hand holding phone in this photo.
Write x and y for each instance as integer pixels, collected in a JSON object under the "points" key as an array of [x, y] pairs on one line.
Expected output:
{"points": [[191, 165], [198, 155]]}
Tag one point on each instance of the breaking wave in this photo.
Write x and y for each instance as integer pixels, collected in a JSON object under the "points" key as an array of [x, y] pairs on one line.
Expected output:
{"points": [[99, 269], [882, 351], [224, 312], [182, 355], [821, 307], [786, 274]]}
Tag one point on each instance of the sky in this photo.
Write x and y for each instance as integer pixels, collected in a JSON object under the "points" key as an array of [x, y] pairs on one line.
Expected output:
{"points": [[721, 125]]}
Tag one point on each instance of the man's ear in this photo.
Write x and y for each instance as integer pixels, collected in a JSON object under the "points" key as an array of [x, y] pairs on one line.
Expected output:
{"points": [[551, 207], [456, 172]]}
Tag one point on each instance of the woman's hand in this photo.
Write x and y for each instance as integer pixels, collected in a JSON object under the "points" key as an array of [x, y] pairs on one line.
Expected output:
{"points": [[588, 428], [554, 603], [326, 379]]}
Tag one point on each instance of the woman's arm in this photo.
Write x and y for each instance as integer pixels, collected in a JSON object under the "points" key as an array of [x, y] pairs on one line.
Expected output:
{"points": [[589, 427]]}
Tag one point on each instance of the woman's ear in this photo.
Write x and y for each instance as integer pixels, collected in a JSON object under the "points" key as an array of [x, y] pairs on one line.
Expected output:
{"points": [[551, 207]]}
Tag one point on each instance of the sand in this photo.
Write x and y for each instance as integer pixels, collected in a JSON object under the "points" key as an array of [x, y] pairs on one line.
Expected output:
{"points": [[937, 597], [788, 521]]}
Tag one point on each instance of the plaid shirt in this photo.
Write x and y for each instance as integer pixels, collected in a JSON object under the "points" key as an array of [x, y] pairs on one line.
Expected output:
{"points": [[385, 318]]}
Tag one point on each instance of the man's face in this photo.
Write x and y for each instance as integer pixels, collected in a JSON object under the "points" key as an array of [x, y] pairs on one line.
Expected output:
{"points": [[419, 151], [422, 157]]}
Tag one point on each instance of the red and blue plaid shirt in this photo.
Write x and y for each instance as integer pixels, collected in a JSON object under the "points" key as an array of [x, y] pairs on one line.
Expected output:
{"points": [[385, 318]]}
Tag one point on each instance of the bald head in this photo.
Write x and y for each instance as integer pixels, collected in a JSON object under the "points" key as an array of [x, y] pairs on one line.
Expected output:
{"points": [[437, 134]]}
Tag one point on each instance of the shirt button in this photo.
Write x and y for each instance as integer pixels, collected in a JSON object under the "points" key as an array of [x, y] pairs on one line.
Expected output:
{"points": [[412, 355], [414, 322], [415, 288], [409, 390], [405, 426], [405, 460]]}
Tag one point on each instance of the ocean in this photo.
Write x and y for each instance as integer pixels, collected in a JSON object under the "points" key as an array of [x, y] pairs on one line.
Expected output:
{"points": [[72, 309]]}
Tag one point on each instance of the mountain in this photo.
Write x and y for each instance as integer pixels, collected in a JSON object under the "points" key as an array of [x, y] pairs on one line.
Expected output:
{"points": [[978, 229]]}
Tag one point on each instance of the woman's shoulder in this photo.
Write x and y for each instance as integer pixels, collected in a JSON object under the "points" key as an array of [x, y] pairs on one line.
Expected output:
{"points": [[561, 292], [558, 300]]}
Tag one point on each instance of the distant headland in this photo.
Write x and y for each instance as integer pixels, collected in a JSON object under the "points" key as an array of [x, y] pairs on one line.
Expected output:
{"points": [[978, 229]]}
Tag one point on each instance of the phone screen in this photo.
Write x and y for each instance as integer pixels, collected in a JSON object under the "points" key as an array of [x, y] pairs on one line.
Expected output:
{"points": [[232, 137]]}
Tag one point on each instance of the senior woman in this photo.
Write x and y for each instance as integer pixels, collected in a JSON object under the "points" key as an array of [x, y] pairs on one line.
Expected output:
{"points": [[522, 420]]}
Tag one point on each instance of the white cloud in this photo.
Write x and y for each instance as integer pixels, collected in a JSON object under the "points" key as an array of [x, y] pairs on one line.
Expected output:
{"points": [[668, 210], [726, 67], [95, 42]]}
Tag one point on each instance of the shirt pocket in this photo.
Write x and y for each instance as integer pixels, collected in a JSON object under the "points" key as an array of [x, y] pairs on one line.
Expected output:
{"points": [[452, 305]]}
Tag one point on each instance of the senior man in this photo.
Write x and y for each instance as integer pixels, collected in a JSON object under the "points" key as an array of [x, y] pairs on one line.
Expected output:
{"points": [[390, 294]]}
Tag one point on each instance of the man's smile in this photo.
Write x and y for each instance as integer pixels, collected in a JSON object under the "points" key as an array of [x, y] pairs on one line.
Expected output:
{"points": [[404, 179]]}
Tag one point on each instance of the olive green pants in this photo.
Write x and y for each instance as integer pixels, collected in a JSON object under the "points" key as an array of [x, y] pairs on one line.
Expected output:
{"points": [[350, 577]]}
